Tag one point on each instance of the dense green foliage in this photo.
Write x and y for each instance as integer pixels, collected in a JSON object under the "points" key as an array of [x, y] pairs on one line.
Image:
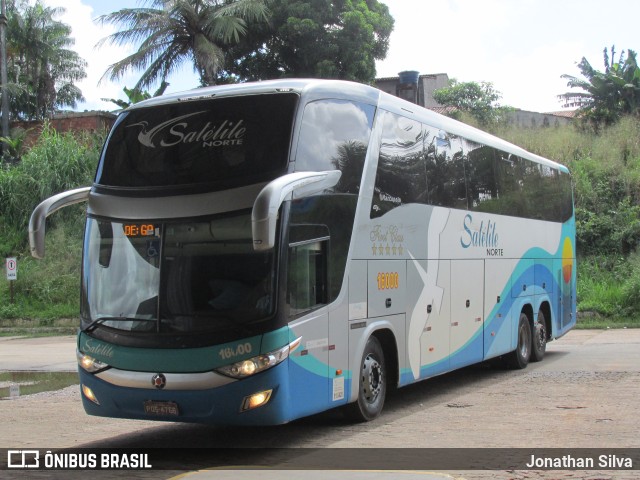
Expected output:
{"points": [[605, 168], [48, 288], [606, 171], [239, 40], [604, 97], [606, 175], [41, 63], [315, 39]]}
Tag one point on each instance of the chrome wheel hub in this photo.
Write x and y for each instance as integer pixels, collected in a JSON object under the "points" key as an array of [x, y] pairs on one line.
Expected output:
{"points": [[371, 378]]}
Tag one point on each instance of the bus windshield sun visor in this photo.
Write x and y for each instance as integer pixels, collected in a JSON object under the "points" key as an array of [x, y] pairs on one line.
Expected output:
{"points": [[265, 209]]}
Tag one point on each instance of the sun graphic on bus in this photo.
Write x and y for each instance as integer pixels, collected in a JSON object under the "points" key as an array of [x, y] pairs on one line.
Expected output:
{"points": [[567, 260]]}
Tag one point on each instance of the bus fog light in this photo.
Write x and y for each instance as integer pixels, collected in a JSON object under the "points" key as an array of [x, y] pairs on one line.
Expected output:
{"points": [[256, 400], [89, 395]]}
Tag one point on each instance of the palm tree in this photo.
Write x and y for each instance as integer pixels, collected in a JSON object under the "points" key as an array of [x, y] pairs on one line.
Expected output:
{"points": [[40, 61], [171, 32], [606, 95]]}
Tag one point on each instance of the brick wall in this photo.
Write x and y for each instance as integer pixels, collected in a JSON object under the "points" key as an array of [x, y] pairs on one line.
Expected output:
{"points": [[68, 122]]}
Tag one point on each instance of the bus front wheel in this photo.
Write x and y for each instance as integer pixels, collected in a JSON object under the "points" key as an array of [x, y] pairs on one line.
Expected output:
{"points": [[519, 358], [372, 386]]}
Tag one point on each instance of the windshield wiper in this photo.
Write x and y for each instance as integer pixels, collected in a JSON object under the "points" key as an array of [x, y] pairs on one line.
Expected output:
{"points": [[93, 325]]}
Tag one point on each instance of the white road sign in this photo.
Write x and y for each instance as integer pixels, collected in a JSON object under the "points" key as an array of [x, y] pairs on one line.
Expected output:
{"points": [[11, 264]]}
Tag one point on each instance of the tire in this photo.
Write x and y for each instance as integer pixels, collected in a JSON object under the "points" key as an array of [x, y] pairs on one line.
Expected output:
{"points": [[519, 358], [539, 339], [372, 384]]}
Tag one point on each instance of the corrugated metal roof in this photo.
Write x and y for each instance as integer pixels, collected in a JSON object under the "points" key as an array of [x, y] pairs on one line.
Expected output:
{"points": [[565, 113]]}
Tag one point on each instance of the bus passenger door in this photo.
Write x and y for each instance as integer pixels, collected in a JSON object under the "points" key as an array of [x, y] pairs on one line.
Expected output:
{"points": [[307, 297], [467, 304]]}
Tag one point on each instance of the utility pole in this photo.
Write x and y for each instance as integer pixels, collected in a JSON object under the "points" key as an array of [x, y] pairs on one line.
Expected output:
{"points": [[3, 69]]}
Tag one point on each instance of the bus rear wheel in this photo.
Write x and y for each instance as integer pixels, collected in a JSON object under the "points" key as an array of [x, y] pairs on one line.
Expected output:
{"points": [[372, 384], [539, 340], [519, 358]]}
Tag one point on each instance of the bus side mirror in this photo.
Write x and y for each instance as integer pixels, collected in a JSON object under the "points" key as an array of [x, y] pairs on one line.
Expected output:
{"points": [[37, 223], [264, 215]]}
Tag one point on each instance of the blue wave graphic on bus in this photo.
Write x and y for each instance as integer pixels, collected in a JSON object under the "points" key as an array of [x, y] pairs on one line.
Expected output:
{"points": [[544, 274]]}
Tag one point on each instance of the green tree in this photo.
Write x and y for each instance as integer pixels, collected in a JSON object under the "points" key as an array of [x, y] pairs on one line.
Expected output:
{"points": [[608, 95], [170, 32], [478, 99], [40, 61], [315, 38]]}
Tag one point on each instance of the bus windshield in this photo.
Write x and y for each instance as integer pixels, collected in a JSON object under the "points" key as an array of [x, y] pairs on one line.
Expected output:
{"points": [[183, 276]]}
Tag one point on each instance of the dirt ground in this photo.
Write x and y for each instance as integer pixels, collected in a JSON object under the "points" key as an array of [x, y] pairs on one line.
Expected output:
{"points": [[585, 394]]}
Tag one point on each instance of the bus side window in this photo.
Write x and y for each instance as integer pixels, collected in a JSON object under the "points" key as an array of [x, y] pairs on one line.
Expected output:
{"points": [[401, 173], [307, 273]]}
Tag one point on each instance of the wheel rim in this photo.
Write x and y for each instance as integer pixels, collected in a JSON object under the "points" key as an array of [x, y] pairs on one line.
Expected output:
{"points": [[525, 341], [541, 336], [372, 380]]}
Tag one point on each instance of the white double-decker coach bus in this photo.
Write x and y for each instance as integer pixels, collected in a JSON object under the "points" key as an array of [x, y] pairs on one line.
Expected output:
{"points": [[257, 253]]}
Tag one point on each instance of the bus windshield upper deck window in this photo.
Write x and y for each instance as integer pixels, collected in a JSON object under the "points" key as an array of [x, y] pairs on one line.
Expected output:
{"points": [[216, 144]]}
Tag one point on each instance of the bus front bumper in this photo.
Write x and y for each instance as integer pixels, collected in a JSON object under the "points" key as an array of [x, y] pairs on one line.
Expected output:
{"points": [[262, 399]]}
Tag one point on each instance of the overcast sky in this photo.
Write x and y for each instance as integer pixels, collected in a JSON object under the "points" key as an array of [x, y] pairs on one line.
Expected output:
{"points": [[521, 46]]}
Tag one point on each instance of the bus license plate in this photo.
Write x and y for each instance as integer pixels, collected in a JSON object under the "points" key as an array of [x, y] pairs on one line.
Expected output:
{"points": [[152, 407]]}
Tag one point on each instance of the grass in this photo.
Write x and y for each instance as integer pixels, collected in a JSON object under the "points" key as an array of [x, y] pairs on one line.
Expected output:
{"points": [[600, 285], [38, 328], [586, 322], [49, 289], [35, 382]]}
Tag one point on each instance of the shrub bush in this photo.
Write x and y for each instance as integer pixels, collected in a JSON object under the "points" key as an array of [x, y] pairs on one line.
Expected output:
{"points": [[57, 162], [48, 288]]}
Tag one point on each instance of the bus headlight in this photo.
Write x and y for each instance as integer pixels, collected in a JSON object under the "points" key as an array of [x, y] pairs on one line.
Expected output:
{"points": [[251, 366], [89, 363]]}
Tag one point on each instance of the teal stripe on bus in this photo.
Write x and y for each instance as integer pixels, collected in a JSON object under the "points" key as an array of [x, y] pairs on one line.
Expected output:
{"points": [[183, 360]]}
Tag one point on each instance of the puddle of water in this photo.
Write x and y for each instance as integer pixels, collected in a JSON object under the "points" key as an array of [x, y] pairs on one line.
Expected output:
{"points": [[27, 383]]}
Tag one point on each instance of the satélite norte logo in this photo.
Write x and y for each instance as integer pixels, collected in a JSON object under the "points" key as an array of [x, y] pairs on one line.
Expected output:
{"points": [[486, 236], [177, 130]]}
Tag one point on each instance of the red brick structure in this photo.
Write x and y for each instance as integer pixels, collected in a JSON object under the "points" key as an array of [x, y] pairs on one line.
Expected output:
{"points": [[68, 122]]}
